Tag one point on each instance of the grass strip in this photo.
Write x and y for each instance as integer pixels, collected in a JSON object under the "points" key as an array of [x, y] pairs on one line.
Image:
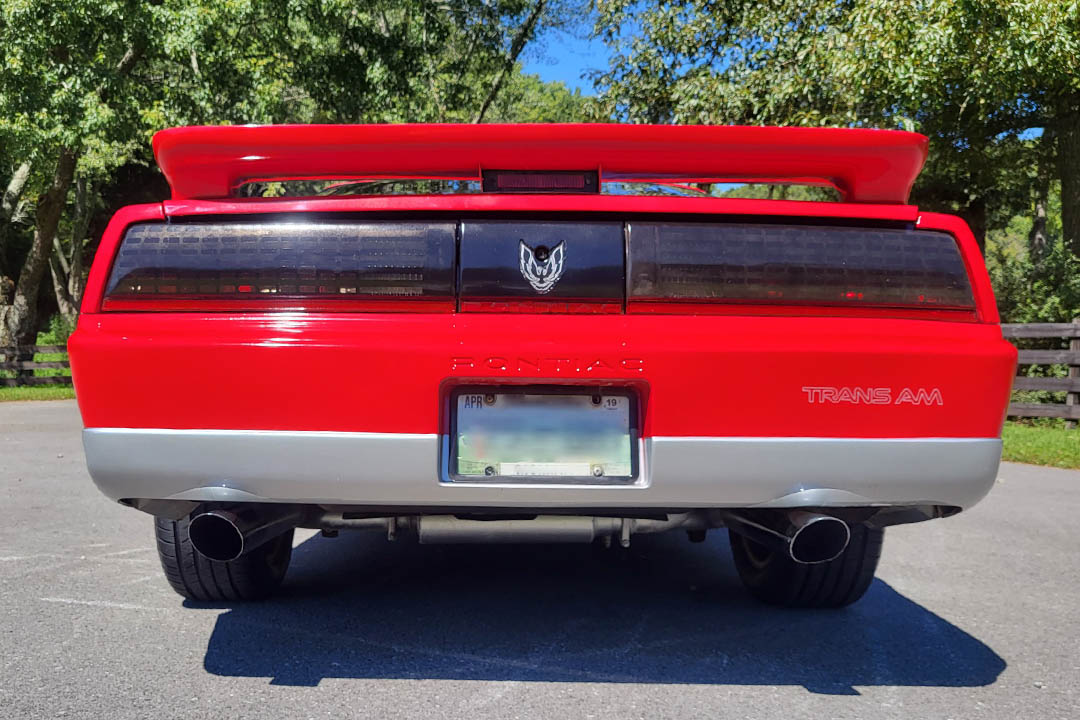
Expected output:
{"points": [[37, 392], [1041, 445]]}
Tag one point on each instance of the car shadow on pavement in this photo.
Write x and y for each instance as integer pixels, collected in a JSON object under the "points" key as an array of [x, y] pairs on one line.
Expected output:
{"points": [[664, 611]]}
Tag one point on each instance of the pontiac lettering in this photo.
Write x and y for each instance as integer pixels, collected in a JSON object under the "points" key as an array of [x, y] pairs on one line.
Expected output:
{"points": [[538, 365]]}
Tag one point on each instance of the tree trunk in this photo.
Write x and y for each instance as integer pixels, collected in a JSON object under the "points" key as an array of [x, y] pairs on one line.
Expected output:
{"points": [[14, 191], [64, 302], [18, 321], [67, 271], [1068, 137], [1038, 242], [9, 210], [975, 217], [1038, 239]]}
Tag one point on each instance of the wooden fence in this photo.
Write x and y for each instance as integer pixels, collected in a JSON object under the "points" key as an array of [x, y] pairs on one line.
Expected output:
{"points": [[1070, 385], [20, 364]]}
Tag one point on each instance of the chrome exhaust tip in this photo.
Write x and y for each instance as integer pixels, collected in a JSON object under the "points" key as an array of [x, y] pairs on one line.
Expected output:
{"points": [[215, 535], [225, 535], [817, 538], [805, 537]]}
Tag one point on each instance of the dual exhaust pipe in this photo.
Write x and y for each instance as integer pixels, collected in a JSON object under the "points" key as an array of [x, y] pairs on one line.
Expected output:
{"points": [[805, 537]]}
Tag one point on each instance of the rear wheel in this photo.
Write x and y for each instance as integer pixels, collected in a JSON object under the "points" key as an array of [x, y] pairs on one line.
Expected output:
{"points": [[776, 579], [252, 576]]}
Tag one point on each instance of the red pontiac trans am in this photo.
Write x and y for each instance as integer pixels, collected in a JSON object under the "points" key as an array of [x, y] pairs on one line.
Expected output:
{"points": [[542, 336]]}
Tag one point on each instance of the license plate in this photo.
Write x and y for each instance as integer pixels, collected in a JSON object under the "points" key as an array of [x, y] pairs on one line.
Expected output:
{"points": [[534, 435]]}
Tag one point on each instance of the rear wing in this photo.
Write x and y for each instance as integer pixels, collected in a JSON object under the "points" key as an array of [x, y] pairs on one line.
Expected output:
{"points": [[865, 166]]}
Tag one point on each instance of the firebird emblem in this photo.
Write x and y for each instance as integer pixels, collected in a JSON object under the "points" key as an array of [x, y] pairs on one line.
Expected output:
{"points": [[542, 267]]}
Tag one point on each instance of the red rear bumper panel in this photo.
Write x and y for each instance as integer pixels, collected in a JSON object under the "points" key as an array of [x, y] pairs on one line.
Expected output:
{"points": [[707, 376]]}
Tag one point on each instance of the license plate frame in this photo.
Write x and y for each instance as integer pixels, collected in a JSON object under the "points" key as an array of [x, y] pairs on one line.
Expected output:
{"points": [[633, 432]]}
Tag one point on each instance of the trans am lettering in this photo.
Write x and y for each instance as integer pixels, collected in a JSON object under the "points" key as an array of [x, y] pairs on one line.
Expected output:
{"points": [[873, 396]]}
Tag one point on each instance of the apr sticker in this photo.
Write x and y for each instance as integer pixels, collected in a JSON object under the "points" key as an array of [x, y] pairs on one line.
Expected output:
{"points": [[873, 396]]}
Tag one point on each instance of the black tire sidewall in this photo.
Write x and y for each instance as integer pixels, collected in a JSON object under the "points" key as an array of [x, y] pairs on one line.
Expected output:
{"points": [[254, 575], [778, 580]]}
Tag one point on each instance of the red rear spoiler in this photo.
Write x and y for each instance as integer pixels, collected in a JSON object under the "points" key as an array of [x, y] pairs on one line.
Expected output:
{"points": [[867, 166]]}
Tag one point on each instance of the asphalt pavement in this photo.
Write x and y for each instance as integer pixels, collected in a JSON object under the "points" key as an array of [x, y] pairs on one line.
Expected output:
{"points": [[971, 617]]}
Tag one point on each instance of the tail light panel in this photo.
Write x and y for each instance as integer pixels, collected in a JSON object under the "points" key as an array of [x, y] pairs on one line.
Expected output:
{"points": [[535, 266], [796, 265], [325, 266]]}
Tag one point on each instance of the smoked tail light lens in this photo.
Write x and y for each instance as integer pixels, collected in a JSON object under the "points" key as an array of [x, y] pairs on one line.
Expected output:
{"points": [[412, 266], [796, 265], [276, 265]]}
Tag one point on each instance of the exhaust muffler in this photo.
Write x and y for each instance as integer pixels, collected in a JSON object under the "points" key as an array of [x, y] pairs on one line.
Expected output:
{"points": [[432, 529], [805, 537], [225, 535]]}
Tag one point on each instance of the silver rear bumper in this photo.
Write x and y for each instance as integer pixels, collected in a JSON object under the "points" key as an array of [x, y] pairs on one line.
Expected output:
{"points": [[403, 470]]}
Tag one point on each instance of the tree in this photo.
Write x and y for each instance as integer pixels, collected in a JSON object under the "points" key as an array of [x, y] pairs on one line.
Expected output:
{"points": [[85, 83], [528, 99], [523, 34], [63, 101], [972, 75], [1034, 289]]}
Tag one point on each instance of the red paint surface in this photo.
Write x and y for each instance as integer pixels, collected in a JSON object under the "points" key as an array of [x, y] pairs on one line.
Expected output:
{"points": [[739, 371], [706, 376], [864, 165]]}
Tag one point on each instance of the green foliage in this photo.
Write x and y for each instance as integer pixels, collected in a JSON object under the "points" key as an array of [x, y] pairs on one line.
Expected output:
{"points": [[1048, 291], [61, 82], [528, 99], [59, 331], [1041, 444], [94, 79], [821, 62], [776, 191], [1028, 289], [972, 75], [101, 76]]}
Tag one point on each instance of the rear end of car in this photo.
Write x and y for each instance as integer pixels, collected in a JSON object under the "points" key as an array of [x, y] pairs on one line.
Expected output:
{"points": [[547, 357]]}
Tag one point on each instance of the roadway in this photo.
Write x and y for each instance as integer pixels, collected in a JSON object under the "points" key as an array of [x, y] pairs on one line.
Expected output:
{"points": [[975, 616]]}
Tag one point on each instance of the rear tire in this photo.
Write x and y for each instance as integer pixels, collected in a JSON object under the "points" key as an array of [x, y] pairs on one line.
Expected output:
{"points": [[776, 579], [252, 576]]}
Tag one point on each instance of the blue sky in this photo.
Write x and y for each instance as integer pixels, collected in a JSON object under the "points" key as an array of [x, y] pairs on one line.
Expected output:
{"points": [[563, 58]]}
